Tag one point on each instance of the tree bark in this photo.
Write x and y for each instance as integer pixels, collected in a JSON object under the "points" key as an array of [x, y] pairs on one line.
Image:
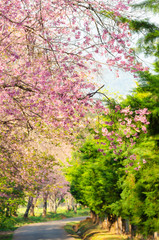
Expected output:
{"points": [[104, 221], [30, 201], [117, 226], [93, 216], [127, 230], [133, 230], [32, 209], [44, 206], [8, 211], [156, 236], [55, 202], [68, 205], [120, 225], [97, 221], [111, 222], [75, 208], [55, 207]]}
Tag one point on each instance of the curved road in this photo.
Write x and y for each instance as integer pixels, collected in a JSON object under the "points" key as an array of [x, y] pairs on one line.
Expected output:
{"points": [[52, 230]]}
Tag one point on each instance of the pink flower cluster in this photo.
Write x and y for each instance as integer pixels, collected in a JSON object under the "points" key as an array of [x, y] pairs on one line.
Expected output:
{"points": [[122, 131]]}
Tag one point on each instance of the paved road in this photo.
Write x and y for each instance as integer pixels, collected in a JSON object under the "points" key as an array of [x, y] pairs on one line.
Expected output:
{"points": [[52, 230]]}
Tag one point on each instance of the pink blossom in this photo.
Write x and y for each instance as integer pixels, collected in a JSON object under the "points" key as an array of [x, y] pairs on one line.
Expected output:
{"points": [[131, 164], [140, 118], [100, 150], [137, 168], [105, 131], [144, 161], [109, 123], [117, 107], [133, 157], [125, 110], [143, 111], [144, 129]]}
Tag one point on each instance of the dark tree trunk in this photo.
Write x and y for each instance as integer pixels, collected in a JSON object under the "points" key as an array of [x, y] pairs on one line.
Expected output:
{"points": [[44, 205], [133, 230], [30, 201], [32, 210], [8, 212], [75, 208], [127, 230], [15, 213]]}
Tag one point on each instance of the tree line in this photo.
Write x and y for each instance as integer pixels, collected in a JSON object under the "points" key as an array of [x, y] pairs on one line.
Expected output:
{"points": [[120, 193]]}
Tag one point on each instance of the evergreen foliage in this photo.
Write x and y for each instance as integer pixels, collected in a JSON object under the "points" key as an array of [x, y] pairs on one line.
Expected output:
{"points": [[94, 179]]}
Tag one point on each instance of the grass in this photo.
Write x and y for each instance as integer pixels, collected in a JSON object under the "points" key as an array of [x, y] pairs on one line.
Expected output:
{"points": [[86, 230], [62, 213], [69, 228], [6, 235]]}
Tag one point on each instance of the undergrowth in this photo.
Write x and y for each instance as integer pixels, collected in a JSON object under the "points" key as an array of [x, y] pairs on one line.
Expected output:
{"points": [[86, 230]]}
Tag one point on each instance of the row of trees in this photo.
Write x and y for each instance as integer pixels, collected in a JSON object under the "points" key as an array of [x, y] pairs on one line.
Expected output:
{"points": [[112, 190], [42, 178], [115, 187]]}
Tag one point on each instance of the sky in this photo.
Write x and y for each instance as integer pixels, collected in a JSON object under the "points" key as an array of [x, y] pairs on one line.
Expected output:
{"points": [[126, 81], [123, 85]]}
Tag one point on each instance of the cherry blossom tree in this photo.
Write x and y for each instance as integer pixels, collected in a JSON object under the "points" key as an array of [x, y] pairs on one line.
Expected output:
{"points": [[58, 192], [50, 52], [47, 48]]}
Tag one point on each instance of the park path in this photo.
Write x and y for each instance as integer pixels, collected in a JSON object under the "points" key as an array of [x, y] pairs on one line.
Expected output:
{"points": [[52, 230]]}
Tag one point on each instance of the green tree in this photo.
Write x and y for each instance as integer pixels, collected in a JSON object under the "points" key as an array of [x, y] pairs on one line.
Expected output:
{"points": [[94, 179], [147, 92], [140, 197], [11, 196]]}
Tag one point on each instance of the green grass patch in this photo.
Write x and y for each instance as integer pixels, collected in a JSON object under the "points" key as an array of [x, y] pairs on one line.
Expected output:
{"points": [[6, 235], [62, 213], [107, 236], [69, 229]]}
